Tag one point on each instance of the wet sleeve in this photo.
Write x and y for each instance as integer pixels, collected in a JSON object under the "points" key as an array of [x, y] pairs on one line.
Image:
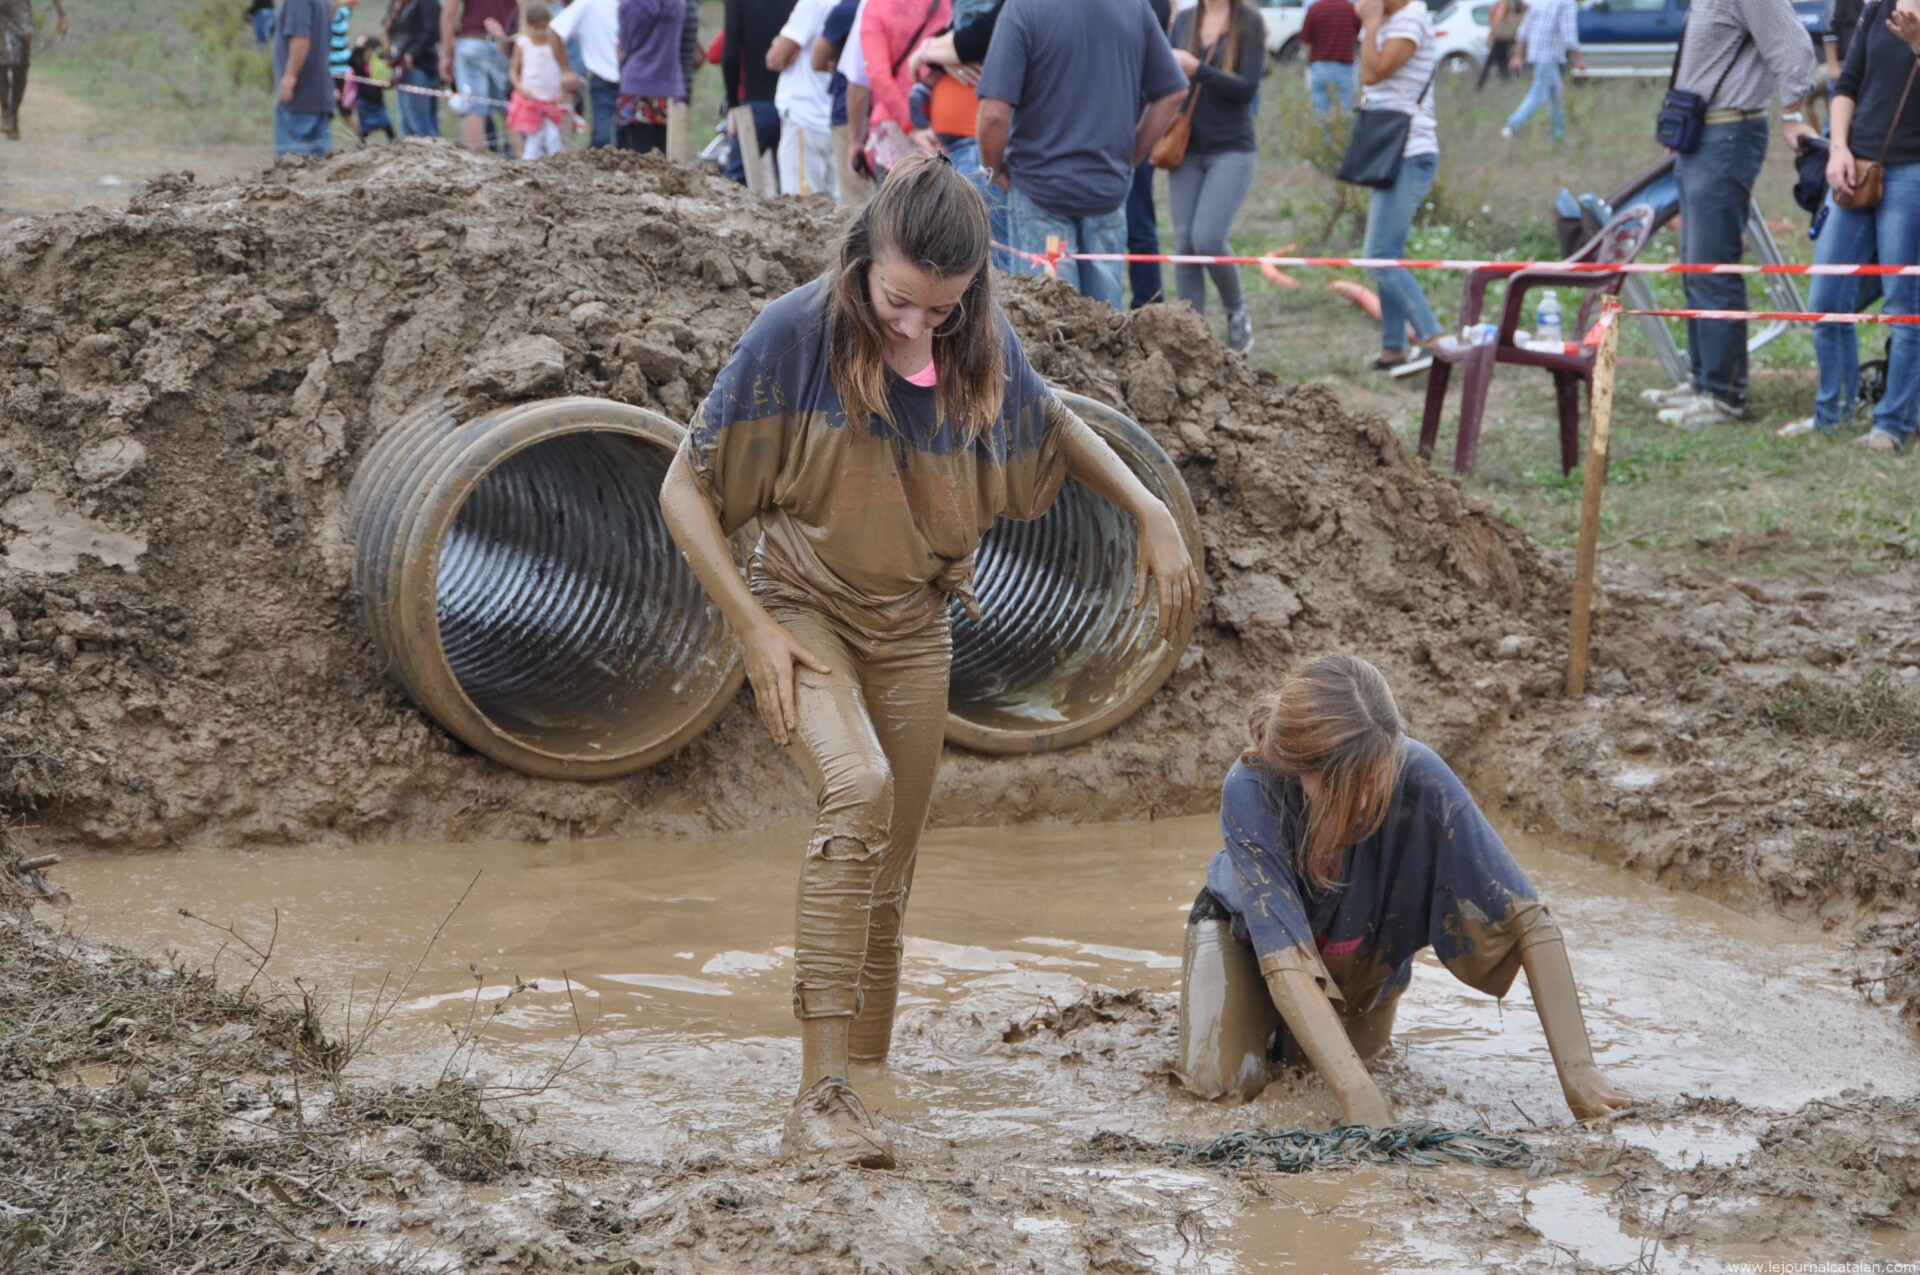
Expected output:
{"points": [[1037, 432], [1486, 912], [1257, 881], [742, 437]]}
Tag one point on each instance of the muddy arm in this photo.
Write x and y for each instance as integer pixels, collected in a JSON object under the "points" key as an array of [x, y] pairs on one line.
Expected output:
{"points": [[1163, 550], [1310, 1017], [1550, 978]]}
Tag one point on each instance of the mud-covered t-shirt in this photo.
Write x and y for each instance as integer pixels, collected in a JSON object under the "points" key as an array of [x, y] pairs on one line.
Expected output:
{"points": [[1435, 875], [874, 522]]}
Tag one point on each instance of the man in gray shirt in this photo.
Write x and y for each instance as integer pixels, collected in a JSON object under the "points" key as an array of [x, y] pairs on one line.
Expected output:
{"points": [[1061, 126], [303, 109], [1738, 53]]}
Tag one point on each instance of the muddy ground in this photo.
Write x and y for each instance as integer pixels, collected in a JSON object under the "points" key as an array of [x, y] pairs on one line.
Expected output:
{"points": [[187, 386]]}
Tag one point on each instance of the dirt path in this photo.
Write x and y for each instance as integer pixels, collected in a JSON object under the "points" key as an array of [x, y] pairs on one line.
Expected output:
{"points": [[66, 159]]}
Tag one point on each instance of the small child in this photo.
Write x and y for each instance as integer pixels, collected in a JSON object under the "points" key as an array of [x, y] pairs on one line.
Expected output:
{"points": [[369, 100], [542, 78]]}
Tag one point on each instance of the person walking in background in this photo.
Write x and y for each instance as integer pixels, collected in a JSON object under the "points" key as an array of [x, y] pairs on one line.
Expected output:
{"points": [[1875, 117], [804, 97], [1221, 45], [474, 30], [1062, 129], [260, 13], [1548, 39], [1146, 281], [1738, 54], [1503, 26], [1329, 37], [340, 57], [650, 77], [1398, 58], [540, 78], [414, 28], [751, 28], [16, 56], [1836, 37], [303, 106], [890, 32], [955, 55], [370, 70], [595, 25]]}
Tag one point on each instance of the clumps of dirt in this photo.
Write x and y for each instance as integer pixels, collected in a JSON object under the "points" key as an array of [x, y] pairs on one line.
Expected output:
{"points": [[151, 1120], [188, 386], [1099, 1005], [1878, 713], [1832, 1172]]}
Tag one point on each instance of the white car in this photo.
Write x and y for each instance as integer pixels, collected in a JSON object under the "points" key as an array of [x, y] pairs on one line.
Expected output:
{"points": [[1460, 27]]}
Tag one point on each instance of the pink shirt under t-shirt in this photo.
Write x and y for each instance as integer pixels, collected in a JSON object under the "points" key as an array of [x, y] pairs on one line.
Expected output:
{"points": [[926, 378]]}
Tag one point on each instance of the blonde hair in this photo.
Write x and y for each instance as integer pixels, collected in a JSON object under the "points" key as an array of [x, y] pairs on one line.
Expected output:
{"points": [[1334, 718], [928, 215], [536, 14]]}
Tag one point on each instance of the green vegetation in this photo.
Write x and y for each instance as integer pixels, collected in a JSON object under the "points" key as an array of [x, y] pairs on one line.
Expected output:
{"points": [[1880, 712]]}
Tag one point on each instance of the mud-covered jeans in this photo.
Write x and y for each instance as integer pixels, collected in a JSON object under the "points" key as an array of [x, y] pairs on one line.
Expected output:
{"points": [[1228, 1021], [868, 740]]}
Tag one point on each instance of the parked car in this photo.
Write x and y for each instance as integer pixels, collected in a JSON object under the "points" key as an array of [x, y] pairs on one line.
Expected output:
{"points": [[1283, 29], [1639, 37], [1460, 27]]}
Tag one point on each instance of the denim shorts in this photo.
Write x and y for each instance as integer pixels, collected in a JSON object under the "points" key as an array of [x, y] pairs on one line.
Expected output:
{"points": [[479, 70], [301, 132]]}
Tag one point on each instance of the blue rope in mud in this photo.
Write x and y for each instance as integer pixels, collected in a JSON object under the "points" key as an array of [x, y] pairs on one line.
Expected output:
{"points": [[1419, 1142]]}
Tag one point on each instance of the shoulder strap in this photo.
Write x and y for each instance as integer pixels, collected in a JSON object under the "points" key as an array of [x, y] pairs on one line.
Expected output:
{"points": [[1746, 38], [932, 8], [1898, 111], [1679, 50]]}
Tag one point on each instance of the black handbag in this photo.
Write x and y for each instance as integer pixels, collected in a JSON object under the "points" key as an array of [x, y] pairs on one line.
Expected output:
{"points": [[1681, 124], [1375, 146]]}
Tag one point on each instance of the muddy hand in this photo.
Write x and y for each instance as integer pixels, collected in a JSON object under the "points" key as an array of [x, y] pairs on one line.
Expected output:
{"points": [[1163, 555], [771, 654], [1590, 1095]]}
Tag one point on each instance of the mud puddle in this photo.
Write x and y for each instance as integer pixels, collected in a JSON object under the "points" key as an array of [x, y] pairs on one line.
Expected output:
{"points": [[1038, 1012]]}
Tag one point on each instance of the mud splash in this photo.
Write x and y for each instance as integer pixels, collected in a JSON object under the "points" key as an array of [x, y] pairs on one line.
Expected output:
{"points": [[1031, 1022]]}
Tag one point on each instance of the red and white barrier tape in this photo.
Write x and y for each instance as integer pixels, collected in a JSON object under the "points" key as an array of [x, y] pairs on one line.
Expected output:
{"points": [[579, 122], [1051, 258]]}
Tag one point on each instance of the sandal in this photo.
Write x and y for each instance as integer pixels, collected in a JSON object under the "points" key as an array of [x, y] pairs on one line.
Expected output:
{"points": [[1878, 441]]}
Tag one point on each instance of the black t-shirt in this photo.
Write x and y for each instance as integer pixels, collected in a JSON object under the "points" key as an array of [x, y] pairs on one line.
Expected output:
{"points": [[1223, 113], [1877, 70], [751, 28]]}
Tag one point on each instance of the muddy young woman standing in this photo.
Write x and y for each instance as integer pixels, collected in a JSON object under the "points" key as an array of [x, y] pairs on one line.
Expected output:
{"points": [[1349, 848], [877, 421], [16, 54]]}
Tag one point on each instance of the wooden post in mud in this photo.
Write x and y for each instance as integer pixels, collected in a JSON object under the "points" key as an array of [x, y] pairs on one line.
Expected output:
{"points": [[748, 137], [677, 132], [1579, 628]]}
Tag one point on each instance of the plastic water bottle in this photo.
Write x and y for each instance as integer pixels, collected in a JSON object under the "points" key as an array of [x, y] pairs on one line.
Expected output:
{"points": [[1546, 321]]}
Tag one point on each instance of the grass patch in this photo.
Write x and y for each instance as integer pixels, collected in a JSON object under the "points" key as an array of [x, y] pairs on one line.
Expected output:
{"points": [[1879, 712]]}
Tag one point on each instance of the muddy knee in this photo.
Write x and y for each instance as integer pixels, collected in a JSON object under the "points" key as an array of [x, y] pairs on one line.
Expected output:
{"points": [[1371, 1032], [1226, 1016]]}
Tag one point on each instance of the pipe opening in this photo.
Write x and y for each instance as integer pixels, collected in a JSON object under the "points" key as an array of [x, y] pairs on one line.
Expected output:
{"points": [[518, 577], [1062, 654], [566, 611]]}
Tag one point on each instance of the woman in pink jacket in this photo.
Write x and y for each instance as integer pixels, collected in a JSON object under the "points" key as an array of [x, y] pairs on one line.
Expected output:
{"points": [[890, 30]]}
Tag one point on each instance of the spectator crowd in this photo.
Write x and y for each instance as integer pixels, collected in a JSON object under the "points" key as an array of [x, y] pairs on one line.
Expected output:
{"points": [[1060, 111]]}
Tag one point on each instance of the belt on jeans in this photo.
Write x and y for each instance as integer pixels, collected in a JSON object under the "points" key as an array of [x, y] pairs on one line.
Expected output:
{"points": [[1733, 117]]}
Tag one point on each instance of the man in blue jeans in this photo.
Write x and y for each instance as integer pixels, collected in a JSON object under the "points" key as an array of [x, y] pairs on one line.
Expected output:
{"points": [[1739, 53], [1549, 38], [416, 57], [1061, 129], [303, 109]]}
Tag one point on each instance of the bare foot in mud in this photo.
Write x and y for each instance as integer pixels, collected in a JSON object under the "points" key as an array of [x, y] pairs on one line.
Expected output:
{"points": [[829, 1122]]}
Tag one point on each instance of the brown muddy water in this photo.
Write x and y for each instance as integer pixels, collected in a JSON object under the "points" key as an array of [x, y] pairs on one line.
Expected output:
{"points": [[677, 959]]}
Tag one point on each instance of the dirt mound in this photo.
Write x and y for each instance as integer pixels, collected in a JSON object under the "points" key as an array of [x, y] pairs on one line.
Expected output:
{"points": [[189, 385]]}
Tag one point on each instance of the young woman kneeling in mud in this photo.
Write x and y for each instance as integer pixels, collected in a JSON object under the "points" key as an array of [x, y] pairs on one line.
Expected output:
{"points": [[877, 421], [1350, 847]]}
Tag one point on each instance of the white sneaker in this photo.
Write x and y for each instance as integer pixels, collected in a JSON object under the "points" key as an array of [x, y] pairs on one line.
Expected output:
{"points": [[1506, 132], [1667, 398], [1798, 428], [1700, 410]]}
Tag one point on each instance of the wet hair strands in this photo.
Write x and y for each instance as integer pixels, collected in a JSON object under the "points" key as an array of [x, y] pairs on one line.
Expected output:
{"points": [[926, 214], [1335, 718]]}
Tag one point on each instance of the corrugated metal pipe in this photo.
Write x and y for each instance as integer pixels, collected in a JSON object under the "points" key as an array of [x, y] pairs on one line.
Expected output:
{"points": [[1062, 654], [520, 584]]}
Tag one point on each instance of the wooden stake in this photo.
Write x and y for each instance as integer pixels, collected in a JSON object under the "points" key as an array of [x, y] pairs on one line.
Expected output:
{"points": [[1579, 629], [677, 132], [748, 138]]}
